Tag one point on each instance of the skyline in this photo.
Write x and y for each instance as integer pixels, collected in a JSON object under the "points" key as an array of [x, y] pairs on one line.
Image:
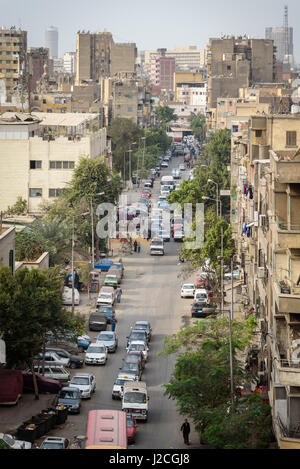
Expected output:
{"points": [[166, 24]]}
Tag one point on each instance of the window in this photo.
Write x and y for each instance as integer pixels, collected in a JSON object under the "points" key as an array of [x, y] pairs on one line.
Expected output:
{"points": [[228, 67], [54, 192], [258, 133], [35, 192], [129, 108], [291, 138], [61, 165], [35, 164]]}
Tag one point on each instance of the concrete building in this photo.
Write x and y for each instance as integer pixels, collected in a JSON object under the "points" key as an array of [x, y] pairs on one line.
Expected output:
{"points": [[37, 58], [191, 89], [162, 69], [13, 48], [234, 63], [265, 218], [51, 41], [69, 62], [278, 35], [38, 153], [98, 56], [187, 59]]}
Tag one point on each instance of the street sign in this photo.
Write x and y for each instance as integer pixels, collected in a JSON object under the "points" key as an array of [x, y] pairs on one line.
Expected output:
{"points": [[225, 192]]}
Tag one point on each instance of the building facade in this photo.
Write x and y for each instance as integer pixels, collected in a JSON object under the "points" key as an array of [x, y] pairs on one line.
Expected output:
{"points": [[51, 41], [13, 64]]}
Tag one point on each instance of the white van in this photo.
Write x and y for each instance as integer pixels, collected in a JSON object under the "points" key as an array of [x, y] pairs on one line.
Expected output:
{"points": [[201, 295], [157, 247], [67, 296], [167, 181], [135, 400]]}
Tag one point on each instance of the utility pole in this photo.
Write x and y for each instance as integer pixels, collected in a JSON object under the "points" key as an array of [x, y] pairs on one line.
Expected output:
{"points": [[73, 283], [222, 267], [93, 240], [230, 357]]}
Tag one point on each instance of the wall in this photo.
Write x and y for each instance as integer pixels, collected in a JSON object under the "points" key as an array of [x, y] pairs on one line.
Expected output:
{"points": [[7, 244]]}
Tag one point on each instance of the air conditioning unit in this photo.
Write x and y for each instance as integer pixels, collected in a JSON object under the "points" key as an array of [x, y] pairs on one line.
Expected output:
{"points": [[261, 272], [262, 220]]}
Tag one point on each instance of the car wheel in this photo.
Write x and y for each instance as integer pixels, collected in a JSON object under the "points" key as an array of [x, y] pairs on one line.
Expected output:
{"points": [[113, 397], [72, 365]]}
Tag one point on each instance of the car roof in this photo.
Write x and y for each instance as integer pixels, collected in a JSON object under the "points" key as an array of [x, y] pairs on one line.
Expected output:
{"points": [[138, 342], [82, 375], [143, 322]]}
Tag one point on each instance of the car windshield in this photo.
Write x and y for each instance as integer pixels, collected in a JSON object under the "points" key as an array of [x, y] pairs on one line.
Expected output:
{"points": [[110, 277], [96, 350], [105, 295], [52, 446], [131, 366], [135, 398], [68, 394], [137, 335], [120, 381], [132, 359], [201, 295], [105, 337], [130, 423], [188, 287], [138, 347], [156, 243], [81, 380], [9, 440], [105, 309]]}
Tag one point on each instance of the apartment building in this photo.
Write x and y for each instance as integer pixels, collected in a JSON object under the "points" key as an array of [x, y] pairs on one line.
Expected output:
{"points": [[234, 63], [128, 96], [37, 58], [162, 69], [187, 59], [265, 217], [13, 48], [98, 56], [39, 151]]}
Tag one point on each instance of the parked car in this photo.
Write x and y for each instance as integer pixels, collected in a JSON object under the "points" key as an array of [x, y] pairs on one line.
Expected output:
{"points": [[201, 294], [132, 369], [137, 335], [103, 264], [107, 296], [116, 272], [67, 296], [145, 326], [96, 354], [97, 321], [139, 345], [108, 311], [54, 442], [235, 274], [200, 309], [109, 339], [52, 358], [119, 265], [86, 383], [131, 428], [111, 281], [120, 381], [76, 361], [130, 357], [83, 342], [57, 372], [187, 290], [9, 442], [70, 398], [182, 167], [45, 385], [148, 183]]}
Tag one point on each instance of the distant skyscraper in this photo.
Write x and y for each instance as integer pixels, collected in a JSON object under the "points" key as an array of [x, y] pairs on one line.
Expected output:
{"points": [[51, 37], [283, 40]]}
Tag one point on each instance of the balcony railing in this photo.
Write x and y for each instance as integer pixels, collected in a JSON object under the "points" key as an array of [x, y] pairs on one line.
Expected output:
{"points": [[288, 227]]}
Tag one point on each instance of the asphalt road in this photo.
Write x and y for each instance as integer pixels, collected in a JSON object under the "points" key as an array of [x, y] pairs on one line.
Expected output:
{"points": [[151, 291]]}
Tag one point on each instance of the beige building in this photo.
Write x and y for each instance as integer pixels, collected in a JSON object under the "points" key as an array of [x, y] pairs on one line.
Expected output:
{"points": [[187, 59], [265, 217], [234, 63], [7, 246], [13, 48], [98, 56], [38, 153]]}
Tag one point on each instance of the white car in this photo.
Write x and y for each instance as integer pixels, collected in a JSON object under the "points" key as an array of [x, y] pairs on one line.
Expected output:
{"points": [[67, 296], [235, 274], [182, 167], [105, 299], [52, 358], [164, 164], [140, 346], [14, 444], [85, 382], [120, 381], [187, 290], [201, 295], [96, 354]]}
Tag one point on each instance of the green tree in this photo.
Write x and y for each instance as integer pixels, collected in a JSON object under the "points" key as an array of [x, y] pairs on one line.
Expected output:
{"points": [[123, 133], [165, 114], [200, 383], [19, 208], [31, 306], [198, 126]]}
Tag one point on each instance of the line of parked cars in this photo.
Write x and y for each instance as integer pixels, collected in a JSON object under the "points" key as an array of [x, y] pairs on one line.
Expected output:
{"points": [[202, 294]]}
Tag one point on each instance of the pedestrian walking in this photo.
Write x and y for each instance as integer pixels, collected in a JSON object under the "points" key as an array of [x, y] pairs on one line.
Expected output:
{"points": [[138, 247], [135, 245], [185, 429], [121, 392], [119, 293], [113, 324]]}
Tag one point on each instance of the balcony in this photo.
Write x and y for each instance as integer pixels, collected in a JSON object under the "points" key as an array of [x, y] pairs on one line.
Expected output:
{"points": [[285, 167], [288, 372], [288, 235], [287, 297]]}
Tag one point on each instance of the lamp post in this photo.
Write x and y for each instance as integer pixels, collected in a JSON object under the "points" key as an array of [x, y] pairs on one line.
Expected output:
{"points": [[217, 189], [144, 149], [218, 202]]}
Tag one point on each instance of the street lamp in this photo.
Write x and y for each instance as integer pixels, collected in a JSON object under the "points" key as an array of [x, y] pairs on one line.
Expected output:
{"points": [[217, 188], [130, 151], [144, 149]]}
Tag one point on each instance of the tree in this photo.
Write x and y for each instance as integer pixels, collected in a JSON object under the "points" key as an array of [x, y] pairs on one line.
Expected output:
{"points": [[31, 306], [19, 208], [200, 383], [165, 114], [123, 133], [198, 126]]}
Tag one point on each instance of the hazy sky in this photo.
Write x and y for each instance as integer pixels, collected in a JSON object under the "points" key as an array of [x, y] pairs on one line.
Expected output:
{"points": [[148, 23]]}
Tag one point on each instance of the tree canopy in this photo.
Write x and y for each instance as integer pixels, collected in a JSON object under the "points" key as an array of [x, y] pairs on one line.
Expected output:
{"points": [[165, 114]]}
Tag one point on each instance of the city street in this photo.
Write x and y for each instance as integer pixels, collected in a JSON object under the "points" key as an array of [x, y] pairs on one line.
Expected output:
{"points": [[151, 291]]}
